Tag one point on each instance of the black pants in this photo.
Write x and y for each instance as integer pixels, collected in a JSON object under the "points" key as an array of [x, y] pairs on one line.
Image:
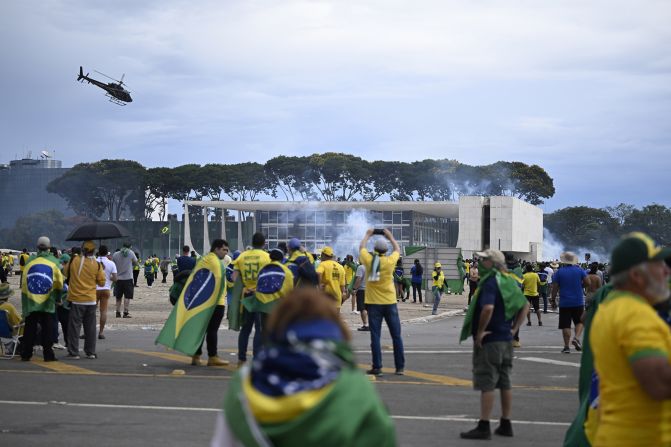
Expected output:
{"points": [[416, 288], [3, 276], [63, 315], [472, 285], [211, 334], [165, 275], [150, 279], [46, 322], [136, 273]]}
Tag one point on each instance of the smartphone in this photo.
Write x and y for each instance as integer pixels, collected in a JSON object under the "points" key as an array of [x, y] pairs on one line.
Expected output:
{"points": [[378, 231]]}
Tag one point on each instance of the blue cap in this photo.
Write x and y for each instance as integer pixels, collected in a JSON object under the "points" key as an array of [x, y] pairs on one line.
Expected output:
{"points": [[236, 253], [294, 243]]}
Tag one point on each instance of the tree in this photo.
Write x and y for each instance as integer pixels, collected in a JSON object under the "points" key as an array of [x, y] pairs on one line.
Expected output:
{"points": [[51, 223], [655, 220], [620, 212], [583, 227], [291, 176], [531, 183], [247, 180], [338, 177]]}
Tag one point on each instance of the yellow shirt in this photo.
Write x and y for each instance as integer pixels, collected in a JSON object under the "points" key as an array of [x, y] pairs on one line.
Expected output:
{"points": [[13, 317], [467, 267], [627, 328], [84, 274], [297, 254], [248, 265], [438, 279], [382, 291], [332, 279], [25, 257], [531, 281], [349, 274]]}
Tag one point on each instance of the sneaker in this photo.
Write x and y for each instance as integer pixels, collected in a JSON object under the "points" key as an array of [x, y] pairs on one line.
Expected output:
{"points": [[517, 344], [505, 428], [577, 345], [195, 360], [434, 313], [91, 356], [399, 372], [374, 372], [118, 314], [52, 359], [72, 357], [482, 431], [528, 323], [101, 337], [216, 361], [566, 350], [126, 315], [58, 346], [364, 329]]}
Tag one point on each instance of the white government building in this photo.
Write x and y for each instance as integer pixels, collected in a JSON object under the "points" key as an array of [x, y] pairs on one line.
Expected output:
{"points": [[473, 224]]}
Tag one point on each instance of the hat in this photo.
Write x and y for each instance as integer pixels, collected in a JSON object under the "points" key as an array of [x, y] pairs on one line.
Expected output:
{"points": [[327, 251], [495, 255], [89, 246], [380, 246], [437, 264], [227, 260], [568, 257], [554, 265], [5, 292], [276, 254], [294, 243], [636, 248], [43, 242]]}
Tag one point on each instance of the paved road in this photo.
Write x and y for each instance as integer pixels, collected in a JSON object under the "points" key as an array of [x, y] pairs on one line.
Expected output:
{"points": [[131, 395]]}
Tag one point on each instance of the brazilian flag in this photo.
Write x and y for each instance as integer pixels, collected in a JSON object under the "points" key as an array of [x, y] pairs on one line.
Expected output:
{"points": [[41, 282], [274, 281], [513, 298], [320, 419], [457, 285], [187, 323]]}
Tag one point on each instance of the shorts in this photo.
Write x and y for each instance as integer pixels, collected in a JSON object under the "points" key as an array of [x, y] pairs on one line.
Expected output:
{"points": [[568, 314], [492, 365], [103, 294], [124, 289], [534, 302], [360, 298]]}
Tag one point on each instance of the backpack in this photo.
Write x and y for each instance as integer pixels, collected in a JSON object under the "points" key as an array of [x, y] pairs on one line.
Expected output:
{"points": [[304, 272], [178, 285]]}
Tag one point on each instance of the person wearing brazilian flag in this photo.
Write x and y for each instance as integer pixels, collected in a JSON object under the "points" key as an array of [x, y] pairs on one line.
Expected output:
{"points": [[496, 312], [304, 387], [275, 280], [41, 281], [625, 371], [199, 309]]}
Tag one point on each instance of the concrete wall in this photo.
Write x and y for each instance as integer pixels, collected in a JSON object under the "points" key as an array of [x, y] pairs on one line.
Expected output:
{"points": [[517, 227], [470, 225]]}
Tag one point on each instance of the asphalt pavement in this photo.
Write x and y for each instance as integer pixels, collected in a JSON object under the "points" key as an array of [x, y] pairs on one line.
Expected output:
{"points": [[137, 393]]}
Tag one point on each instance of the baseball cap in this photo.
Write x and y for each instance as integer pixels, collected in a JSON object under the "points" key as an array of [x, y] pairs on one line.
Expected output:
{"points": [[89, 246], [327, 251], [43, 242], [380, 246], [636, 248], [495, 255], [294, 243], [437, 264], [568, 257]]}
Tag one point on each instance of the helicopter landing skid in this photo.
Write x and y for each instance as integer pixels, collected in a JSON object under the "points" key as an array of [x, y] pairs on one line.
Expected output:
{"points": [[115, 100]]}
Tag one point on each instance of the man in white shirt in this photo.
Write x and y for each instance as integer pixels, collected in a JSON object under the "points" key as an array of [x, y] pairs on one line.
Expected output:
{"points": [[103, 292]]}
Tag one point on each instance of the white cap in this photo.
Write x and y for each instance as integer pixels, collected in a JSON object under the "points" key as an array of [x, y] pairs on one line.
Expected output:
{"points": [[43, 242], [380, 246]]}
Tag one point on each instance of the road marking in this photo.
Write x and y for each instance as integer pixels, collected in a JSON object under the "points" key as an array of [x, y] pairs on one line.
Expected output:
{"points": [[549, 361], [64, 368], [460, 351], [215, 410], [170, 356]]}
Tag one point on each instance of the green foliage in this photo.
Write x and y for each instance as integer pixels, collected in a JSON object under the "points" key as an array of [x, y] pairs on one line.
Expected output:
{"points": [[28, 228]]}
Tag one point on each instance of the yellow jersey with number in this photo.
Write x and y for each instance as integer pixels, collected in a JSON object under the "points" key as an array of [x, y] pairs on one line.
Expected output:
{"points": [[332, 278], [248, 265]]}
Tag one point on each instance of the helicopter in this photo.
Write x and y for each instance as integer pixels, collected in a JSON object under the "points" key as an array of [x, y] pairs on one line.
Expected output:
{"points": [[115, 91]]}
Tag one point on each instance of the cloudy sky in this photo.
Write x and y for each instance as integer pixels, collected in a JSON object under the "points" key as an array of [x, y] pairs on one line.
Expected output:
{"points": [[580, 88]]}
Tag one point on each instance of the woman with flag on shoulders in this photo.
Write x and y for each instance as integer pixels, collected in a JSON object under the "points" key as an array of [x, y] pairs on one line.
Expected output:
{"points": [[304, 387]]}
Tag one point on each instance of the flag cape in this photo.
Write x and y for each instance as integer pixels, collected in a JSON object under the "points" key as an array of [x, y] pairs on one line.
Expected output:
{"points": [[513, 299], [348, 412], [457, 285], [41, 282], [188, 321], [234, 312], [582, 429], [274, 281]]}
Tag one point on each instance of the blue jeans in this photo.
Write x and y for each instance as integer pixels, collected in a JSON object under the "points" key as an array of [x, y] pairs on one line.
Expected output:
{"points": [[436, 299], [255, 320], [388, 312]]}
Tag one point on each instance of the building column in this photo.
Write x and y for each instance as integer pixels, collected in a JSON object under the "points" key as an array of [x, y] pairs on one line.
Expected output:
{"points": [[254, 222], [206, 233], [223, 224], [241, 246], [187, 227]]}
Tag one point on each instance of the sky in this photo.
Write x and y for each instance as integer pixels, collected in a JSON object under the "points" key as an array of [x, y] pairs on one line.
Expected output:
{"points": [[581, 88]]}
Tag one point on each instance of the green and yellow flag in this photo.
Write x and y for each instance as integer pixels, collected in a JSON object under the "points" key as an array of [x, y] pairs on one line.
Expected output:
{"points": [[41, 282], [187, 323]]}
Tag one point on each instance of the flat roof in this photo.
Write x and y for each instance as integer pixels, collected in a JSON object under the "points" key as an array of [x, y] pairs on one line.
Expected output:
{"points": [[436, 209]]}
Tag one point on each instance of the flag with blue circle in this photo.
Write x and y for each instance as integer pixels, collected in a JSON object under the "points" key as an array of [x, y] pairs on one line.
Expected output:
{"points": [[275, 280], [186, 326], [41, 281]]}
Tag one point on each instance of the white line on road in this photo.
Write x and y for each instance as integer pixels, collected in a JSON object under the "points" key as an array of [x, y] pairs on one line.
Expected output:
{"points": [[153, 407], [550, 361], [455, 351]]}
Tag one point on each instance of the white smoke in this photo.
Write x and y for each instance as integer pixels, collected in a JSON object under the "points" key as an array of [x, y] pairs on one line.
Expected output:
{"points": [[347, 240], [552, 249]]}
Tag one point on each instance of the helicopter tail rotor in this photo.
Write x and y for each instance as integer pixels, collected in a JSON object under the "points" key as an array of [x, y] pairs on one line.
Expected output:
{"points": [[81, 73]]}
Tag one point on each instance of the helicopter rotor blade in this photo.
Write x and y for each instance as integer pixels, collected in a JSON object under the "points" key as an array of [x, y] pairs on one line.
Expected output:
{"points": [[109, 77], [122, 75]]}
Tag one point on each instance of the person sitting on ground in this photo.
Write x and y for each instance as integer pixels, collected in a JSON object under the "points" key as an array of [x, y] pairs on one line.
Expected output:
{"points": [[13, 316], [304, 388]]}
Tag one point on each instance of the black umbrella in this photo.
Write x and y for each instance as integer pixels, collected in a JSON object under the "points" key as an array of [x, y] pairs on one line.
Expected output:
{"points": [[98, 230]]}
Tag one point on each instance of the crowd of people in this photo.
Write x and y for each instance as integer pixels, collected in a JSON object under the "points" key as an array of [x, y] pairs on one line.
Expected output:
{"points": [[619, 311]]}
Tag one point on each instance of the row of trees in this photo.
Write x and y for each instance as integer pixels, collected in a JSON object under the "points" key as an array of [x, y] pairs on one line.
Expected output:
{"points": [[599, 229], [115, 188]]}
